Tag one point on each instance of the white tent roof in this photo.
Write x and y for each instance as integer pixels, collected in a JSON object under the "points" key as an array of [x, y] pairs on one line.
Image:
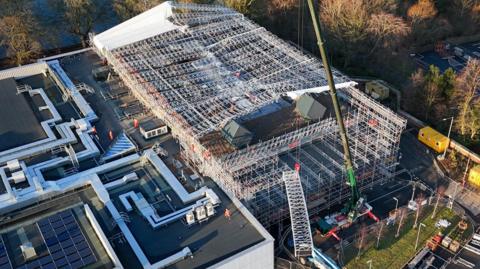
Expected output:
{"points": [[150, 23]]}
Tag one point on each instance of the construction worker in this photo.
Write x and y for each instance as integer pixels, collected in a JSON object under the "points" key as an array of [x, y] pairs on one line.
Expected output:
{"points": [[227, 214]]}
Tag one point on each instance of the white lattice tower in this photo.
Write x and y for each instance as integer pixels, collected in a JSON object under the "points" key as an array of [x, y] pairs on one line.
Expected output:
{"points": [[302, 235]]}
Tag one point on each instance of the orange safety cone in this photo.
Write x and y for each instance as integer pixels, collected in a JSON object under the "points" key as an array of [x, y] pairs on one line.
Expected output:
{"points": [[110, 135], [135, 123], [94, 130]]}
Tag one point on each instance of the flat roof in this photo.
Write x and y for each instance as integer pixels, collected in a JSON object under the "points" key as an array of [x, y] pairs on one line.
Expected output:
{"points": [[20, 125], [58, 230], [210, 242]]}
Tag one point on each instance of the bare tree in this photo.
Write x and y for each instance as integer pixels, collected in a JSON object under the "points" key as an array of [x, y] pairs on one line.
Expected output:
{"points": [[465, 96], [362, 232], [283, 4], [465, 6], [422, 10], [358, 27], [10, 7], [17, 34], [440, 192], [386, 29], [126, 9], [242, 6], [81, 16]]}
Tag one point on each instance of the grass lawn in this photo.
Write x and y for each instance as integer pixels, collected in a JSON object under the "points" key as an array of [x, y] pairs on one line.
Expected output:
{"points": [[392, 252]]}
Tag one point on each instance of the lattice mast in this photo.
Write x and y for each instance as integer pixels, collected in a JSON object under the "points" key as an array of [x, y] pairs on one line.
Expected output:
{"points": [[302, 235]]}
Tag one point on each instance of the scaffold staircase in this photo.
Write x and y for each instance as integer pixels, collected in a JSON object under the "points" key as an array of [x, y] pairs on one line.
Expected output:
{"points": [[121, 145], [302, 235]]}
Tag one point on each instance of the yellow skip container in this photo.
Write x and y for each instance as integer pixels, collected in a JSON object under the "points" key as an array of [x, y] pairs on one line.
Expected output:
{"points": [[433, 139]]}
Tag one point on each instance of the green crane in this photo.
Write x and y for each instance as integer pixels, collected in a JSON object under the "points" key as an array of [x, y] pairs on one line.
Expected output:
{"points": [[353, 206]]}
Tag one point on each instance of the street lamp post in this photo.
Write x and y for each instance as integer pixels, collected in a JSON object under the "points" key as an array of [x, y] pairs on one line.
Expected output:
{"points": [[448, 136], [369, 262], [396, 205], [418, 234]]}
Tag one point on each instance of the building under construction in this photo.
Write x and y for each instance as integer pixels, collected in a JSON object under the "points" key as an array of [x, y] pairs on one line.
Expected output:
{"points": [[246, 106]]}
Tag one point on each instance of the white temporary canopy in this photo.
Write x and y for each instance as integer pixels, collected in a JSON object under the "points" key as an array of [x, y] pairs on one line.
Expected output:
{"points": [[147, 24]]}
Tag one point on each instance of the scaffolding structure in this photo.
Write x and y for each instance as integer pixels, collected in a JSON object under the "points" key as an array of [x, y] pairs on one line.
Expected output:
{"points": [[220, 66]]}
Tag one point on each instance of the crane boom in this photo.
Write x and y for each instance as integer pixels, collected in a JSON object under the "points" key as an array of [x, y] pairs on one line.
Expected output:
{"points": [[351, 180]]}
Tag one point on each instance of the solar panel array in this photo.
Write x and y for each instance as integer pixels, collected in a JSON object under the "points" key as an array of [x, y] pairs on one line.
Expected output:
{"points": [[67, 246], [4, 260]]}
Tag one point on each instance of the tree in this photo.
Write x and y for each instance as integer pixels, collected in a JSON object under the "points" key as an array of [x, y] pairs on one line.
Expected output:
{"points": [[242, 6], [412, 97], [10, 8], [467, 101], [17, 34], [431, 90], [358, 27], [422, 10], [81, 16], [126, 9], [440, 193], [362, 232], [419, 200], [447, 83], [463, 7], [283, 4], [387, 29]]}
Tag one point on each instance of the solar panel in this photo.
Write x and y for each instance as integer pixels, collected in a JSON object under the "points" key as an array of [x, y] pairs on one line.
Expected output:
{"points": [[58, 255], [33, 264], [68, 219], [43, 222], [56, 225], [85, 252], [60, 229], [54, 248], [49, 266], [67, 243], [77, 264], [82, 245], [63, 236], [73, 257], [70, 250], [75, 232], [61, 262], [89, 259], [45, 260], [78, 239], [51, 241]]}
